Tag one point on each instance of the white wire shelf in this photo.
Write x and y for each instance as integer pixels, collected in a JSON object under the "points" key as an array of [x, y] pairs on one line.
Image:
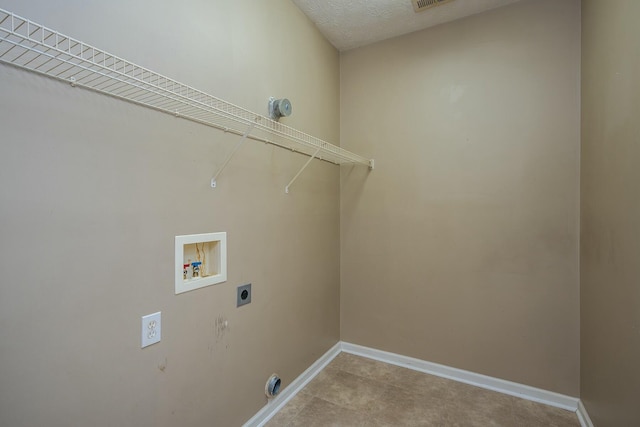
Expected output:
{"points": [[34, 47]]}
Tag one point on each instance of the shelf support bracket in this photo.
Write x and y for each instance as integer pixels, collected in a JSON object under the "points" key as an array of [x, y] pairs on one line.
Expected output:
{"points": [[235, 150], [286, 189]]}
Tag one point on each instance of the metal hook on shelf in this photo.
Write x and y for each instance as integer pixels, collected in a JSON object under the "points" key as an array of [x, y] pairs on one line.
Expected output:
{"points": [[235, 149]]}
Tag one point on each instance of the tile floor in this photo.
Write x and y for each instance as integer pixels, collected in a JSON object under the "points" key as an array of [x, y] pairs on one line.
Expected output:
{"points": [[354, 391]]}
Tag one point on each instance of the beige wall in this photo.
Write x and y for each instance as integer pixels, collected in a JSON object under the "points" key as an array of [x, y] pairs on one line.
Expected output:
{"points": [[93, 191], [610, 241], [461, 247]]}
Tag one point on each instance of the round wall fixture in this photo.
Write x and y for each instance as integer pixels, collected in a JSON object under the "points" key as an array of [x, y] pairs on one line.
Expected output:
{"points": [[272, 388], [279, 108]]}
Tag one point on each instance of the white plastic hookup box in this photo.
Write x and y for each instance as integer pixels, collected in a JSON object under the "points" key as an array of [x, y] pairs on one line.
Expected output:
{"points": [[201, 260]]}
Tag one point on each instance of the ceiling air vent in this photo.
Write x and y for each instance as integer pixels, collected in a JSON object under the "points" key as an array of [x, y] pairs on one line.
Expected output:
{"points": [[420, 5]]}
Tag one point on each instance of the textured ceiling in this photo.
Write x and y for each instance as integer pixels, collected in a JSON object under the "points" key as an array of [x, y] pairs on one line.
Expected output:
{"points": [[353, 23]]}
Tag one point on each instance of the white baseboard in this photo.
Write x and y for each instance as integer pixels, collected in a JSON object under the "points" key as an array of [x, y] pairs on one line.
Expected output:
{"points": [[275, 404], [479, 380], [583, 416], [502, 386]]}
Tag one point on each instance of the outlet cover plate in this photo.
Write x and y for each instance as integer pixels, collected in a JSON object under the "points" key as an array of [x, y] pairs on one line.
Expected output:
{"points": [[151, 329], [244, 295]]}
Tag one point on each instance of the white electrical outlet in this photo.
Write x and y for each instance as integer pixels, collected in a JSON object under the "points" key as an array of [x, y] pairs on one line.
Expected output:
{"points": [[151, 329]]}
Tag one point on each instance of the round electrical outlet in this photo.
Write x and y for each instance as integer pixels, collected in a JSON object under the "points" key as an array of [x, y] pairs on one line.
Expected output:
{"points": [[243, 295]]}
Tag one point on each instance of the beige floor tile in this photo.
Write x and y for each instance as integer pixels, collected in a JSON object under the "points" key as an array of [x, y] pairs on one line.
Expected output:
{"points": [[398, 407], [345, 389], [286, 415], [320, 413]]}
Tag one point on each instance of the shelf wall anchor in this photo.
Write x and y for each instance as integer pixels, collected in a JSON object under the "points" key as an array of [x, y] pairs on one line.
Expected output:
{"points": [[286, 189], [235, 149]]}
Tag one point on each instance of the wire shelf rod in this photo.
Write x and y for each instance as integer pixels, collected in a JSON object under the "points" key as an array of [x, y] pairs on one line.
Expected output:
{"points": [[286, 188], [233, 152]]}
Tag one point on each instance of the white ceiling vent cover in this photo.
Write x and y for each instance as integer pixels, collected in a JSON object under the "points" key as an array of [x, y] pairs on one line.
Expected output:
{"points": [[420, 5]]}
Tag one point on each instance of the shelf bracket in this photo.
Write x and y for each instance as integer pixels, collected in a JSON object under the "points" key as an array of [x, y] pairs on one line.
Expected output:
{"points": [[286, 189], [235, 150]]}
